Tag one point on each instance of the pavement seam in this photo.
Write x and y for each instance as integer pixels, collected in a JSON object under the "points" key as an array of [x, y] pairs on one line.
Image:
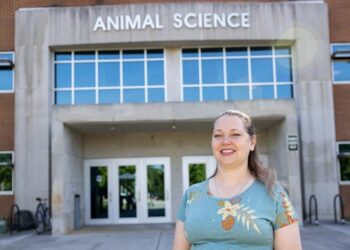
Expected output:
{"points": [[159, 237]]}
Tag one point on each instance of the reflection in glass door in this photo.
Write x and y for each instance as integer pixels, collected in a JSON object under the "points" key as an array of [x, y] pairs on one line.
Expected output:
{"points": [[196, 169], [99, 192], [127, 191], [155, 190]]}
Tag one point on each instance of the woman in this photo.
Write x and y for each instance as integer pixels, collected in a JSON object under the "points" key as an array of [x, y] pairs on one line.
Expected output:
{"points": [[240, 206]]}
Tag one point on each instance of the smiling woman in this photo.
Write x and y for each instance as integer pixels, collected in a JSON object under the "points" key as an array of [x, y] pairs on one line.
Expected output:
{"points": [[240, 206]]}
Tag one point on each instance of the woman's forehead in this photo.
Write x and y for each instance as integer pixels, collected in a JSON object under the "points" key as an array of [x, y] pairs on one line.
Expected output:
{"points": [[230, 122]]}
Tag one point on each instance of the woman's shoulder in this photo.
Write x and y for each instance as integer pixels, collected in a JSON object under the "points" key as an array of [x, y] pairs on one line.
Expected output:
{"points": [[197, 187]]}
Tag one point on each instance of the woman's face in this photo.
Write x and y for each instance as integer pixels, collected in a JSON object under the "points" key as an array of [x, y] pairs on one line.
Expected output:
{"points": [[230, 142]]}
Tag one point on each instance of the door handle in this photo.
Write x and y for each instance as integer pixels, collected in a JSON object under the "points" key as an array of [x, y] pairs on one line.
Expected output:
{"points": [[110, 197], [138, 196]]}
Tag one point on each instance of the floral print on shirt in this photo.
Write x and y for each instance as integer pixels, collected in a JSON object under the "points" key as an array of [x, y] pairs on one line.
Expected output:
{"points": [[233, 211]]}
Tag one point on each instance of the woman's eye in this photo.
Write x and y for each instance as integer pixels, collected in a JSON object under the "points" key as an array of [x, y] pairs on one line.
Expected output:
{"points": [[236, 135], [217, 136]]}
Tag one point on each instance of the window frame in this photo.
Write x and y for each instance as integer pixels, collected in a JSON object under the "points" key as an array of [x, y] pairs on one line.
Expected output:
{"points": [[338, 163], [12, 172], [12, 90], [333, 60], [122, 87], [250, 84]]}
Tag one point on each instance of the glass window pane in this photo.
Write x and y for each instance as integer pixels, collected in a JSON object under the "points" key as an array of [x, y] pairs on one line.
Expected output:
{"points": [[196, 173], [263, 92], [238, 93], [155, 53], [6, 78], [261, 51], [99, 192], [236, 52], [63, 75], [108, 74], [5, 179], [133, 54], [127, 192], [6, 158], [108, 54], [84, 55], [8, 56], [189, 53], [156, 190], [133, 73], [63, 56], [155, 72], [237, 70], [285, 51], [84, 97], [340, 47], [63, 97], [134, 95], [341, 71], [284, 91], [212, 71], [344, 168], [190, 71], [211, 52], [191, 94], [213, 94], [108, 96], [156, 95], [284, 70], [262, 70], [84, 75], [344, 148]]}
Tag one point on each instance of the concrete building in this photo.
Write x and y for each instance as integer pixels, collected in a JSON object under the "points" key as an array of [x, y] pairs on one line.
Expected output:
{"points": [[114, 101]]}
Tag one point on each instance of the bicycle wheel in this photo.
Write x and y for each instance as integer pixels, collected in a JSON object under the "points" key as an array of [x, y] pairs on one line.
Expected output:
{"points": [[47, 219], [40, 207], [39, 222]]}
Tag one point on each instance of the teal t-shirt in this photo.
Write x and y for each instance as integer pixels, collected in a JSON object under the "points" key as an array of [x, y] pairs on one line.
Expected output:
{"points": [[246, 221]]}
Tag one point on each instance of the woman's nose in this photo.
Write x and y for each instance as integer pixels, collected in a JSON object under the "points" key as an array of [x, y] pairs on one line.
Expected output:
{"points": [[226, 140]]}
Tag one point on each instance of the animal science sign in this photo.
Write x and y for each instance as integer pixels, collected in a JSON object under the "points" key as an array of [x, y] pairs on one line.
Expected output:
{"points": [[189, 21]]}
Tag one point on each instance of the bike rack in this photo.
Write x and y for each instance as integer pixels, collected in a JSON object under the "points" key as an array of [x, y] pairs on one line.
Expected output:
{"points": [[14, 208], [313, 200], [341, 204]]}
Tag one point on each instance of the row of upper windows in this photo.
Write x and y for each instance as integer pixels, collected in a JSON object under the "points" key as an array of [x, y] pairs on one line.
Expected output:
{"points": [[203, 70], [208, 74]]}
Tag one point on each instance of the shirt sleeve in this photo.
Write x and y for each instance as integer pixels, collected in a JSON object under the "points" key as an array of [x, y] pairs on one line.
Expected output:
{"points": [[181, 213], [285, 213]]}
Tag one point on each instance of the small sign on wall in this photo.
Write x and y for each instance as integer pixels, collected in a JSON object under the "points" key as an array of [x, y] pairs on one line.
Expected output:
{"points": [[293, 142]]}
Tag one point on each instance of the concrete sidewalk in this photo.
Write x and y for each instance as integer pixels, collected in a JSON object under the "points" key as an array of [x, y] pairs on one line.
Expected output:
{"points": [[155, 237]]}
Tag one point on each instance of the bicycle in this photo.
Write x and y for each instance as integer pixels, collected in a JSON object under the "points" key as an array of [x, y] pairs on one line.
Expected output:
{"points": [[42, 216]]}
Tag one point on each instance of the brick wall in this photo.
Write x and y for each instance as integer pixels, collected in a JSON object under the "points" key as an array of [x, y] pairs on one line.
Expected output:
{"points": [[344, 191], [341, 94], [6, 202], [339, 20], [7, 122]]}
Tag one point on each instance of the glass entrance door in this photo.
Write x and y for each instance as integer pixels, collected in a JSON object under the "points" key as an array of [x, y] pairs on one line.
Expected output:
{"points": [[124, 191], [196, 169], [143, 187]]}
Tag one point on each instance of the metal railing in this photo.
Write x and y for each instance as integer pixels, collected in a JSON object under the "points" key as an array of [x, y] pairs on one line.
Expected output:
{"points": [[313, 200], [341, 204]]}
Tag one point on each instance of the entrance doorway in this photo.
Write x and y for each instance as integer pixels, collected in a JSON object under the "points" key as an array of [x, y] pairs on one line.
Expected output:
{"points": [[125, 191]]}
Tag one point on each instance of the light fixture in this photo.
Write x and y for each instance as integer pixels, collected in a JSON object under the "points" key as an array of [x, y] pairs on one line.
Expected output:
{"points": [[6, 64]]}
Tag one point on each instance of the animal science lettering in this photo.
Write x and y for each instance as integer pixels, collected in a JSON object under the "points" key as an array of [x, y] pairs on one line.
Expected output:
{"points": [[189, 20]]}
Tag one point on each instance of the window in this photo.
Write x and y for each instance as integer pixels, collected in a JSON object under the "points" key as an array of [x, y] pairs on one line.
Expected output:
{"points": [[6, 72], [236, 73], [344, 161], [6, 173], [109, 77], [341, 63]]}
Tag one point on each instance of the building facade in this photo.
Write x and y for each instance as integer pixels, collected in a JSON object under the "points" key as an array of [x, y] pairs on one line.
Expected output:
{"points": [[114, 101]]}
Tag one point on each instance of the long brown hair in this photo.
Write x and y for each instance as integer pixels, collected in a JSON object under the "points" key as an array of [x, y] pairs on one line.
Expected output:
{"points": [[264, 174]]}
